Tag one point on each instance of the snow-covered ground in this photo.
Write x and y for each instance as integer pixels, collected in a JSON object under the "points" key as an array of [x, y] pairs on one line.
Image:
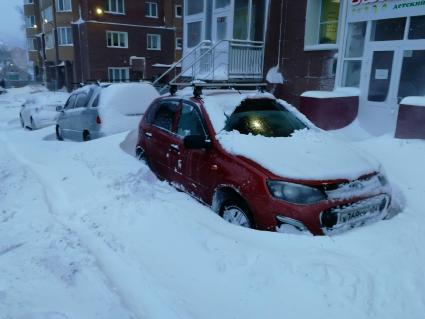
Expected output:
{"points": [[87, 231]]}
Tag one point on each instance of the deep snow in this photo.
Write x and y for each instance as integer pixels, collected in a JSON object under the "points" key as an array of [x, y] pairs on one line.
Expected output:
{"points": [[86, 231]]}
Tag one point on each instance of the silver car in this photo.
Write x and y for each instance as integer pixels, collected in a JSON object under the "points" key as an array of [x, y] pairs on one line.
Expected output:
{"points": [[94, 110]]}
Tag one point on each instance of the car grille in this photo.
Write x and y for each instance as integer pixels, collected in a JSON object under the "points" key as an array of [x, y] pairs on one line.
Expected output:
{"points": [[341, 218], [357, 188]]}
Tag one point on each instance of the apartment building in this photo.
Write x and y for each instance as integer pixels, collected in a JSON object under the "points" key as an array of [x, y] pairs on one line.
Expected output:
{"points": [[119, 40], [74, 41]]}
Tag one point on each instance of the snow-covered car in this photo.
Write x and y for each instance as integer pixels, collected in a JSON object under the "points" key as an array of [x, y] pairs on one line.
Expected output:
{"points": [[40, 109], [2, 91], [94, 110], [259, 163]]}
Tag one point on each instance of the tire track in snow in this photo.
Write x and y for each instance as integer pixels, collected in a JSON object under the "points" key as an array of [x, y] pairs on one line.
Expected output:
{"points": [[59, 207]]}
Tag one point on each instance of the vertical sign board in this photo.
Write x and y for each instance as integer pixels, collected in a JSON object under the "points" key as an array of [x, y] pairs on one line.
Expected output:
{"points": [[364, 10]]}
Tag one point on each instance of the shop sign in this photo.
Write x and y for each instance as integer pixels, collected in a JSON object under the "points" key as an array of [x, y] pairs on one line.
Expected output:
{"points": [[363, 10]]}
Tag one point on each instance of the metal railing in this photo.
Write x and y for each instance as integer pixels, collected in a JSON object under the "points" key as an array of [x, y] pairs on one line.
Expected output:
{"points": [[225, 61]]}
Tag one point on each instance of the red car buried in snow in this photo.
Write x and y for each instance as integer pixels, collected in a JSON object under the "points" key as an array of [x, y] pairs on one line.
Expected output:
{"points": [[260, 164]]}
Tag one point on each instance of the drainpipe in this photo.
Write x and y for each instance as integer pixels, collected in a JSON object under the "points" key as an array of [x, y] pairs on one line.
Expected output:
{"points": [[55, 34]]}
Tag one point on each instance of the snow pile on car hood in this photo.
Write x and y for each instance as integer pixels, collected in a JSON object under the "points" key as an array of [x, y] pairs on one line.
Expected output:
{"points": [[307, 154], [122, 105]]}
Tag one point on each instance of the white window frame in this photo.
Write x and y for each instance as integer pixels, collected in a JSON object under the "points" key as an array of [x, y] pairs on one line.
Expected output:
{"points": [[47, 14], [31, 20], [58, 2], [312, 27], [127, 74], [116, 6], [181, 43], [33, 46], [175, 11], [118, 33], [68, 42], [148, 37], [151, 5]]}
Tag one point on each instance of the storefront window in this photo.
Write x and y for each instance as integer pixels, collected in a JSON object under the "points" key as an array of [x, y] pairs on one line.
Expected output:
{"points": [[329, 21], [417, 28], [351, 73], [388, 29], [195, 6], [412, 74], [356, 39], [194, 30]]}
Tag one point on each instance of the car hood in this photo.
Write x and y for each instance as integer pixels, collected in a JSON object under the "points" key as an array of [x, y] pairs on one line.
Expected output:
{"points": [[307, 154]]}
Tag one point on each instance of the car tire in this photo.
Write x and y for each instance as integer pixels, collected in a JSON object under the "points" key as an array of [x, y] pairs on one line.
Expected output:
{"points": [[86, 136], [22, 121], [59, 135], [236, 212], [141, 154]]}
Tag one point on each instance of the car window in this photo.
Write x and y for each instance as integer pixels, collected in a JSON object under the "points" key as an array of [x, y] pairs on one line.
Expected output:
{"points": [[165, 114], [263, 117], [96, 101], [71, 101], [81, 100], [190, 122]]}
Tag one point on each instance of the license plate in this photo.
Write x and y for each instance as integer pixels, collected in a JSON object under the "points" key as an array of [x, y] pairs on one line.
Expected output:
{"points": [[358, 213]]}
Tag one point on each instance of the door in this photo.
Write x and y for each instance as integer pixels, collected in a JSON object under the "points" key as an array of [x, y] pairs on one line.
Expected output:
{"points": [[391, 73], [222, 20], [63, 119], [159, 138]]}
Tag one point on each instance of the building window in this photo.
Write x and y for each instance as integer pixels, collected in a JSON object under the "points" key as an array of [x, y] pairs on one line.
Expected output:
{"points": [[118, 74], [47, 14], [65, 36], [179, 44], [194, 7], [222, 3], [63, 6], [28, 1], [322, 23], [178, 11], [116, 39], [417, 28], [151, 9], [30, 22], [194, 32], [154, 42], [32, 44], [356, 34], [49, 40], [115, 6]]}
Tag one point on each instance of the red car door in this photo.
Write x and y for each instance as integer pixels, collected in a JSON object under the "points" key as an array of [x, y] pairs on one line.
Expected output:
{"points": [[159, 137], [191, 166]]}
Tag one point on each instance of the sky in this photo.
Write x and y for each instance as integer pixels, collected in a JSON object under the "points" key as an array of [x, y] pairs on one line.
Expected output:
{"points": [[10, 23]]}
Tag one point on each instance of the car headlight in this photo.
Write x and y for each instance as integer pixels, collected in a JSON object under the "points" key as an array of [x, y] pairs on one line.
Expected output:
{"points": [[382, 179], [295, 193]]}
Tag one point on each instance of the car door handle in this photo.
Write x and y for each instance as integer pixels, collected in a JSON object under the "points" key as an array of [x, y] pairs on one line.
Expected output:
{"points": [[148, 135], [174, 147]]}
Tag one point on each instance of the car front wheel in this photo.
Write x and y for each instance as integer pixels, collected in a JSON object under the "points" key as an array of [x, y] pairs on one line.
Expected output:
{"points": [[236, 212]]}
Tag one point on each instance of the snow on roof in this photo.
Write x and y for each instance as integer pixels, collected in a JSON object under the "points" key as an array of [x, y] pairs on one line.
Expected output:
{"points": [[47, 98], [414, 100], [121, 105], [338, 92]]}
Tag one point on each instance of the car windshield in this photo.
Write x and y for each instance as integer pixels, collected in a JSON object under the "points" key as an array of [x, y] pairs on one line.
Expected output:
{"points": [[263, 117]]}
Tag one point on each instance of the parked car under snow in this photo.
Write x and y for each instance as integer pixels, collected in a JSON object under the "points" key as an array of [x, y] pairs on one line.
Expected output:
{"points": [[260, 164], [40, 109], [94, 111]]}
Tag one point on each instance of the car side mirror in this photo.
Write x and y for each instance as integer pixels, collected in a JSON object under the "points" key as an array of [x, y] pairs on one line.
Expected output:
{"points": [[59, 108], [196, 142]]}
